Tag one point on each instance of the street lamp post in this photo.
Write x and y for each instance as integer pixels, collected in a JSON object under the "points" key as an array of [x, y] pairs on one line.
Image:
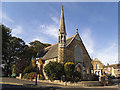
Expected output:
{"points": [[37, 62], [36, 70]]}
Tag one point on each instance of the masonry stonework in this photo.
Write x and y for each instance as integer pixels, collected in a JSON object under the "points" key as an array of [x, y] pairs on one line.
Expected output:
{"points": [[61, 55]]}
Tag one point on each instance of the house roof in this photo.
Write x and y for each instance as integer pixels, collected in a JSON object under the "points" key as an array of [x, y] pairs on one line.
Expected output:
{"points": [[117, 66], [52, 51], [113, 65]]}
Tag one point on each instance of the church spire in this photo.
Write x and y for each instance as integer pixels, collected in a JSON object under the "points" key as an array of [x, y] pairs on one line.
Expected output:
{"points": [[62, 29], [62, 39]]}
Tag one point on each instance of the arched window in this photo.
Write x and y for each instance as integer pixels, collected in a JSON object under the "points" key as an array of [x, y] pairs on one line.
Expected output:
{"points": [[96, 73], [96, 66], [78, 53], [99, 73]]}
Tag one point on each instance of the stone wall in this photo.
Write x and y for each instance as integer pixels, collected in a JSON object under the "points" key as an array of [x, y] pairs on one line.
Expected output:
{"points": [[61, 54], [71, 57]]}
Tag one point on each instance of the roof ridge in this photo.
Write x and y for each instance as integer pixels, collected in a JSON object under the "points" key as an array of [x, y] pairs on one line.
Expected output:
{"points": [[50, 46], [71, 37], [57, 43]]}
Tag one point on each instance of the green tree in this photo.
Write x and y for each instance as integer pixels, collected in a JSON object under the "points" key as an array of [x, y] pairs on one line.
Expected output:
{"points": [[54, 70], [17, 49], [69, 69], [13, 49], [29, 69], [20, 66], [36, 47], [6, 35]]}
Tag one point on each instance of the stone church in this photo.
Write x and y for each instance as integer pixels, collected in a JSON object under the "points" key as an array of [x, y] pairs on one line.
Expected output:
{"points": [[71, 49]]}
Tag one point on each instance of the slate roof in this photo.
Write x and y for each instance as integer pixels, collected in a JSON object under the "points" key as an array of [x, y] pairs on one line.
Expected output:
{"points": [[52, 51]]}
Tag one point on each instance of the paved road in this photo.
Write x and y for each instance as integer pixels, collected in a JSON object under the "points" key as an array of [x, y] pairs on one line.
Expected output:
{"points": [[15, 84]]}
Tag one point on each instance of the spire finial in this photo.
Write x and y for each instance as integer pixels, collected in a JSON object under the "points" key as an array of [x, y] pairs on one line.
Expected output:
{"points": [[62, 23], [77, 30]]}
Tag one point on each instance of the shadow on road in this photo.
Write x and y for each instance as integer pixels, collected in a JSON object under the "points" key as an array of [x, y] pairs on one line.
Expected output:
{"points": [[26, 87]]}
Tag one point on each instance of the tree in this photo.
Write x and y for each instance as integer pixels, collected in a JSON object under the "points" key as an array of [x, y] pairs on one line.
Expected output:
{"points": [[6, 35], [37, 46], [20, 66], [29, 69], [13, 49], [17, 49], [54, 70]]}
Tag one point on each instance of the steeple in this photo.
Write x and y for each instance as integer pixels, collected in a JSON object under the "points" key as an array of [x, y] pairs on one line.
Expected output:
{"points": [[62, 29], [62, 39]]}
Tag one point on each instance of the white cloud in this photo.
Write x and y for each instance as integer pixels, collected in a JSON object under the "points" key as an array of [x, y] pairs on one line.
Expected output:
{"points": [[106, 55], [88, 40], [50, 30], [42, 26], [109, 54], [41, 39], [56, 20], [6, 17], [17, 30]]}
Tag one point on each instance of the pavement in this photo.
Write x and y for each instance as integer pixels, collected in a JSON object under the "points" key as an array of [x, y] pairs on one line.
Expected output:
{"points": [[15, 84]]}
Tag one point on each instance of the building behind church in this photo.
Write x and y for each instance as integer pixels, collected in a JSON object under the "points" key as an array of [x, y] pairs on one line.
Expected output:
{"points": [[100, 69]]}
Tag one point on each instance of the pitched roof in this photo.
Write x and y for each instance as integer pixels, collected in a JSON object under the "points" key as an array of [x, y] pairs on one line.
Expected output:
{"points": [[113, 65], [52, 51], [117, 66]]}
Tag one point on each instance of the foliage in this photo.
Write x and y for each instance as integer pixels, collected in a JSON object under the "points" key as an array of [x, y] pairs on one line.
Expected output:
{"points": [[37, 46], [25, 76], [41, 77], [13, 68], [29, 69], [6, 34], [15, 49], [32, 75], [54, 70], [69, 68], [20, 66], [95, 77], [33, 63], [77, 76]]}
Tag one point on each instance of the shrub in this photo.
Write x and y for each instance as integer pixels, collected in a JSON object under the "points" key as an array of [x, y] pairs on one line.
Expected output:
{"points": [[41, 77], [77, 76], [54, 70], [29, 69], [95, 77], [69, 68], [32, 75], [25, 76]]}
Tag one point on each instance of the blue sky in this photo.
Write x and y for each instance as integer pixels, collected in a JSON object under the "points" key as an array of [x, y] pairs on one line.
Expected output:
{"points": [[97, 24]]}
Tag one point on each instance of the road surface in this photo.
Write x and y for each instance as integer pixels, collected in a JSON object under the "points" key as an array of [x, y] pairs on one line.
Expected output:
{"points": [[15, 84]]}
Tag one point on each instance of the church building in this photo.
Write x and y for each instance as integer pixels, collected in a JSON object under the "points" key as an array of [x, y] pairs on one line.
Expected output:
{"points": [[71, 49]]}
